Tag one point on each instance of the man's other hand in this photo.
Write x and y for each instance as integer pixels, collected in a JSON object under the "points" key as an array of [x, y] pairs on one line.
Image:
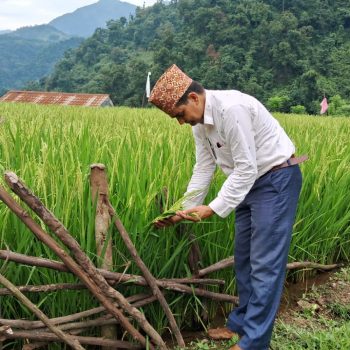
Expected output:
{"points": [[196, 214], [172, 220]]}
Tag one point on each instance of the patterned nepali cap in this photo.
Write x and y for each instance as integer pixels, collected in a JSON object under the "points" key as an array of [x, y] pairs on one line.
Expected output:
{"points": [[169, 88]]}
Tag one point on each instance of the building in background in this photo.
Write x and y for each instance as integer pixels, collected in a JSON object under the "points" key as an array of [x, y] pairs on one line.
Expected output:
{"points": [[58, 98]]}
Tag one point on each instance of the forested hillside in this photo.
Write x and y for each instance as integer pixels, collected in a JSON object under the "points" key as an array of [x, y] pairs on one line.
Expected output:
{"points": [[30, 53], [284, 52]]}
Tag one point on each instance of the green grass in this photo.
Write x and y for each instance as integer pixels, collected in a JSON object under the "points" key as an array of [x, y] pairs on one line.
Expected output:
{"points": [[51, 149], [287, 337]]}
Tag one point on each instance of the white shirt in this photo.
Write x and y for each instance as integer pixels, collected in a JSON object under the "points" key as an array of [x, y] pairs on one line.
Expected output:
{"points": [[243, 139]]}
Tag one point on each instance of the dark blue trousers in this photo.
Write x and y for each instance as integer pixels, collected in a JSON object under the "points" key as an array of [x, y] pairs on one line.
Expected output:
{"points": [[263, 229]]}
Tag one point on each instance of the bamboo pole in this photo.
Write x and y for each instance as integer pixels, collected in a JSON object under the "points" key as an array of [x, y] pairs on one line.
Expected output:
{"points": [[66, 338], [72, 265], [99, 191]]}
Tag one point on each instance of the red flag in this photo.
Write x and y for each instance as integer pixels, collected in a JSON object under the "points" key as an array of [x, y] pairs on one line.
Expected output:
{"points": [[324, 105]]}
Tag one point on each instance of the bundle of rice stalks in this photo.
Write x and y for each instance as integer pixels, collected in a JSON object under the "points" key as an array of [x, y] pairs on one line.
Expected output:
{"points": [[177, 206]]}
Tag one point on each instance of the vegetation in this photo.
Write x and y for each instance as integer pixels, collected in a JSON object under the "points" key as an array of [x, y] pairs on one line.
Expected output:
{"points": [[30, 53], [52, 147], [295, 50], [322, 324]]}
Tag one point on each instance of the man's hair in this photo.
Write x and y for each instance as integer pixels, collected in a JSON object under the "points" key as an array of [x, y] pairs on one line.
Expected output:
{"points": [[194, 87]]}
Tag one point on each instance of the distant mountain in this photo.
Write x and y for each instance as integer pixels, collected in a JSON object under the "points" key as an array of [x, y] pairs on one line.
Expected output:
{"points": [[42, 32], [83, 21], [30, 53], [5, 31]]}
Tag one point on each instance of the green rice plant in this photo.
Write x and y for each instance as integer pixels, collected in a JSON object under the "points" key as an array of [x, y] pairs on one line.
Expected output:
{"points": [[177, 206], [52, 147]]}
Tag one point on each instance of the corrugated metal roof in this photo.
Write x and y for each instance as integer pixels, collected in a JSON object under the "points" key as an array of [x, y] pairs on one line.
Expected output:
{"points": [[57, 98]]}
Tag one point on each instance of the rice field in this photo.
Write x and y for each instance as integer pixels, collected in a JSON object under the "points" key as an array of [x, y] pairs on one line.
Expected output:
{"points": [[51, 149]]}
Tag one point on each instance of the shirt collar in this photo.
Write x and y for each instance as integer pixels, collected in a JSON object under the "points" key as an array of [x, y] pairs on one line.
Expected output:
{"points": [[208, 109]]}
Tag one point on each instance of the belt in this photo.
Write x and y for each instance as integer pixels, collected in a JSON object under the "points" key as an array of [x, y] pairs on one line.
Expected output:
{"points": [[293, 160]]}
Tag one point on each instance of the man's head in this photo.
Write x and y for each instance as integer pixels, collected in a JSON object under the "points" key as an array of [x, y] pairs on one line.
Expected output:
{"points": [[179, 96]]}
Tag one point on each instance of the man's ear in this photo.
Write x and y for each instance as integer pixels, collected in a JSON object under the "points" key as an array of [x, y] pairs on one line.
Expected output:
{"points": [[193, 96]]}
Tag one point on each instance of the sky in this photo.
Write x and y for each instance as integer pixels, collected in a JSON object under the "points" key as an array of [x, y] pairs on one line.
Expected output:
{"points": [[19, 13]]}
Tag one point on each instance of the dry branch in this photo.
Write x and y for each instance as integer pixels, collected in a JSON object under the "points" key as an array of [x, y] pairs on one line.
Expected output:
{"points": [[148, 277], [113, 276], [70, 263], [229, 262], [66, 338], [166, 283], [49, 337], [79, 327], [44, 288], [137, 300]]}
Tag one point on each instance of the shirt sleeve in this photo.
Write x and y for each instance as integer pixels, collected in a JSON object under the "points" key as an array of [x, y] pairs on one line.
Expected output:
{"points": [[202, 172], [239, 134]]}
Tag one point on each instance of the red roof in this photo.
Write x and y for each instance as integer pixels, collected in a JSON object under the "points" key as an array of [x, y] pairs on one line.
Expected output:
{"points": [[57, 98]]}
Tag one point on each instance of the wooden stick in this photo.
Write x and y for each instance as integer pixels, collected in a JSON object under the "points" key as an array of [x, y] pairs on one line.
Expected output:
{"points": [[148, 277], [44, 288], [27, 325], [71, 264], [66, 338], [4, 330], [82, 259], [49, 337], [222, 264], [79, 327], [115, 276], [139, 280], [229, 262], [99, 191], [311, 265], [166, 284]]}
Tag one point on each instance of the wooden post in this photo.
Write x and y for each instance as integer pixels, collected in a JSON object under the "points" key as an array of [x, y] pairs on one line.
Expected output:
{"points": [[99, 192]]}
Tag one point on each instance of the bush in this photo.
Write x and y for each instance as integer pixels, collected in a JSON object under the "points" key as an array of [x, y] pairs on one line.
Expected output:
{"points": [[278, 103], [335, 105], [344, 110], [298, 109]]}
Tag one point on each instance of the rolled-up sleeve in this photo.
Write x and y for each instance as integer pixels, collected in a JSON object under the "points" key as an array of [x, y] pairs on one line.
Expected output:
{"points": [[239, 135], [202, 172]]}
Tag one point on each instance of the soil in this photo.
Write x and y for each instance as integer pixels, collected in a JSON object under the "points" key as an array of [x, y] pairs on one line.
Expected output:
{"points": [[324, 296]]}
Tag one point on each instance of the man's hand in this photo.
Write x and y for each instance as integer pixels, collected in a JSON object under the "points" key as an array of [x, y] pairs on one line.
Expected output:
{"points": [[172, 220], [196, 214]]}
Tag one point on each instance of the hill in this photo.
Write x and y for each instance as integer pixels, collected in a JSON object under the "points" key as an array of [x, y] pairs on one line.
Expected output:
{"points": [[42, 32], [30, 53], [85, 20], [293, 52], [5, 31]]}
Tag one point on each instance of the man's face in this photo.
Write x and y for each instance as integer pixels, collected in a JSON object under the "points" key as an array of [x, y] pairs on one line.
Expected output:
{"points": [[191, 113]]}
